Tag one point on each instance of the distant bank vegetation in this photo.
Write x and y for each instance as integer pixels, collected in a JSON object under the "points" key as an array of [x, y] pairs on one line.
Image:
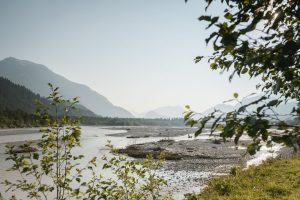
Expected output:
{"points": [[17, 107], [107, 121], [19, 118]]}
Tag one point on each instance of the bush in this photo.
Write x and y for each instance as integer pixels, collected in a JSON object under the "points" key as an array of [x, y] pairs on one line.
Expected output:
{"points": [[56, 173], [274, 179]]}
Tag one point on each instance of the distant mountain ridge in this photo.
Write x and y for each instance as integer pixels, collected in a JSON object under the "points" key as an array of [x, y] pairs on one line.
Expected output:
{"points": [[282, 109], [35, 77], [15, 97], [164, 112]]}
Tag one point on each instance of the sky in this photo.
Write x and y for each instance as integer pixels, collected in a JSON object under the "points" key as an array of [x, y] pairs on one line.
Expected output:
{"points": [[137, 53]]}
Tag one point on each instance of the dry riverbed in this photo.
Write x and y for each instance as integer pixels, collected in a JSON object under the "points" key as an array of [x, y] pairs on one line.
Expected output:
{"points": [[192, 155], [149, 131], [187, 154], [190, 162]]}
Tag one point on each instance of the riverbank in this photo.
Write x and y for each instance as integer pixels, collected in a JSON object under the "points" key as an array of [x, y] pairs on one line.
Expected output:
{"points": [[275, 179], [199, 160], [18, 131], [192, 155], [151, 131], [191, 163]]}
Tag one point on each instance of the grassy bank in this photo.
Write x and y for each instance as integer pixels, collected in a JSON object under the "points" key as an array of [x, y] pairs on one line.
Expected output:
{"points": [[275, 179]]}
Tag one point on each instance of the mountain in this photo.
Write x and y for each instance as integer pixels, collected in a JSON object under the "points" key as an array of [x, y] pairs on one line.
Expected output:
{"points": [[152, 115], [15, 97], [221, 107], [164, 112], [36, 78], [282, 109]]}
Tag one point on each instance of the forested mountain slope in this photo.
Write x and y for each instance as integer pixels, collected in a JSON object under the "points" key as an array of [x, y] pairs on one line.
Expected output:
{"points": [[36, 78], [15, 97]]}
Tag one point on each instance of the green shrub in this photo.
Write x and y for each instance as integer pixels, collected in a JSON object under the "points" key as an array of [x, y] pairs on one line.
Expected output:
{"points": [[56, 173], [274, 179]]}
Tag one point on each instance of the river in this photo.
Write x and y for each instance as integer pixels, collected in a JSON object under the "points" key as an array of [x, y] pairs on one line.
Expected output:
{"points": [[93, 143]]}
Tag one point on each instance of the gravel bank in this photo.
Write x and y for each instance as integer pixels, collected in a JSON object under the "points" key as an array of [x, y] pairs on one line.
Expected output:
{"points": [[192, 155], [149, 131]]}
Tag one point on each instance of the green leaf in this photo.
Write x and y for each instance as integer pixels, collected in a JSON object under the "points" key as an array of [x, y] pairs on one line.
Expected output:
{"points": [[191, 122], [198, 59], [187, 115], [272, 103], [244, 71], [213, 66], [212, 22], [235, 95], [205, 18], [198, 132], [36, 156], [252, 148], [228, 15]]}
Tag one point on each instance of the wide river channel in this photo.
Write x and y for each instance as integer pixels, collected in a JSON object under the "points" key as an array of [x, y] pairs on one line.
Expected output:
{"points": [[93, 144]]}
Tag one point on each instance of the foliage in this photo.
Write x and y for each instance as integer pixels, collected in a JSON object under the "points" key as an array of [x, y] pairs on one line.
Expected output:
{"points": [[255, 118], [17, 105], [259, 38], [274, 179], [56, 172], [108, 121], [55, 161], [138, 180], [14, 97], [17, 118]]}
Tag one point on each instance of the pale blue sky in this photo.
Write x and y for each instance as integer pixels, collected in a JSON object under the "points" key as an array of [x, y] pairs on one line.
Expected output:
{"points": [[137, 53]]}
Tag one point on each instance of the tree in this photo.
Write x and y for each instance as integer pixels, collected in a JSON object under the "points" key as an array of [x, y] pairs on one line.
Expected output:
{"points": [[57, 173], [260, 38]]}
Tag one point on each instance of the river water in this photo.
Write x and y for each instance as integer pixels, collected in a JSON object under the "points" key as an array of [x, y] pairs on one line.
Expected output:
{"points": [[93, 144]]}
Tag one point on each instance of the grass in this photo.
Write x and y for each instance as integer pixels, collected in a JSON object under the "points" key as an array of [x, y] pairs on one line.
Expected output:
{"points": [[273, 180]]}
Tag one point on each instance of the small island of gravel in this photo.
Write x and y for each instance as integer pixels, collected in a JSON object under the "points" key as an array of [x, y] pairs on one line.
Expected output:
{"points": [[151, 131], [192, 155]]}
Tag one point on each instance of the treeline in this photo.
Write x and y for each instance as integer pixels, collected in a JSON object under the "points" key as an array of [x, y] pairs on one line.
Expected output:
{"points": [[107, 121], [17, 119], [21, 119], [17, 105], [17, 97]]}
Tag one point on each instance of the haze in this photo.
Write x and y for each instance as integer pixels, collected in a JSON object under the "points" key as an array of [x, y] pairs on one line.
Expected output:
{"points": [[138, 54]]}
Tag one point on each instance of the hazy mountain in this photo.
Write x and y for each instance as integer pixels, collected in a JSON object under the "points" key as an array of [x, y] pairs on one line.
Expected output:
{"points": [[152, 115], [16, 97], [35, 77], [282, 109], [221, 107], [164, 112]]}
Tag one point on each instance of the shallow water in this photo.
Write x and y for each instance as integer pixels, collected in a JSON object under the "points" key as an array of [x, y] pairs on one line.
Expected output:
{"points": [[93, 144]]}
